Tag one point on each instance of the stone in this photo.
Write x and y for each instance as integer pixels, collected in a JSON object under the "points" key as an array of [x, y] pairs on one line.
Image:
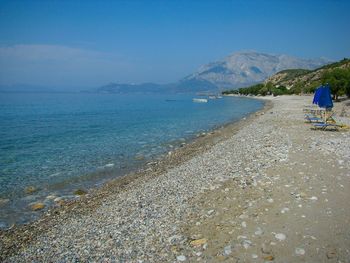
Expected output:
{"points": [[210, 212], [4, 201], [269, 258], [258, 231], [80, 192], [280, 236], [30, 189], [198, 242], [266, 248], [51, 197], [227, 250], [300, 251], [246, 243], [175, 239], [37, 206], [181, 258], [332, 253]]}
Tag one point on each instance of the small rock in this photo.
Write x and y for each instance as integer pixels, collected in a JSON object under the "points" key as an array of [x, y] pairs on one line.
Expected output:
{"points": [[37, 206], [30, 189], [227, 250], [210, 212], [246, 243], [269, 258], [244, 224], [285, 209], [4, 201], [175, 239], [314, 198], [258, 231], [331, 254], [299, 251], [254, 256], [270, 200], [80, 192], [181, 258], [280, 236], [57, 199], [50, 197], [198, 242], [266, 248]]}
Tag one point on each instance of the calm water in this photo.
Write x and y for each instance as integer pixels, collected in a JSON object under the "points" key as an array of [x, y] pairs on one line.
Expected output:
{"points": [[61, 142]]}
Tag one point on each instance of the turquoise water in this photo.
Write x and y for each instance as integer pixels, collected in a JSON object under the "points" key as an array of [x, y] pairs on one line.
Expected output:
{"points": [[61, 142]]}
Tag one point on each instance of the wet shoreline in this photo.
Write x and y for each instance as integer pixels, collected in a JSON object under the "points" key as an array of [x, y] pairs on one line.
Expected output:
{"points": [[89, 202]]}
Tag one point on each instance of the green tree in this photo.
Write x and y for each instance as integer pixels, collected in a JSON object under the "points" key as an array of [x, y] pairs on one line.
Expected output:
{"points": [[338, 79]]}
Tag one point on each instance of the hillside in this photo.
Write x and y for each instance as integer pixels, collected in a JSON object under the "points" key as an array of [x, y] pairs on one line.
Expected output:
{"points": [[289, 78], [295, 81]]}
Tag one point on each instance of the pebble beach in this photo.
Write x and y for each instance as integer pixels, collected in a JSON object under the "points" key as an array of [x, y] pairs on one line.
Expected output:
{"points": [[268, 188]]}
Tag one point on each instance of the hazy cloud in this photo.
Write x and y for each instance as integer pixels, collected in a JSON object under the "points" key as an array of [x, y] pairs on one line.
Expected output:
{"points": [[60, 65]]}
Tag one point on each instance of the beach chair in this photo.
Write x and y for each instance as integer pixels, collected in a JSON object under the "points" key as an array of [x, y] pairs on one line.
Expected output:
{"points": [[325, 126], [311, 118]]}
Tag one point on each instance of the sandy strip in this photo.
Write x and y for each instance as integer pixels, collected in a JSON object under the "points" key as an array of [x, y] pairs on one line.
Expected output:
{"points": [[268, 188]]}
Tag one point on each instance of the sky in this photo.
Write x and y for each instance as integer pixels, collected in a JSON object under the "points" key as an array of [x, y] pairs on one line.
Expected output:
{"points": [[92, 43]]}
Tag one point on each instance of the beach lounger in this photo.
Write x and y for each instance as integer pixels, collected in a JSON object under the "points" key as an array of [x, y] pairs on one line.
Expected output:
{"points": [[325, 126]]}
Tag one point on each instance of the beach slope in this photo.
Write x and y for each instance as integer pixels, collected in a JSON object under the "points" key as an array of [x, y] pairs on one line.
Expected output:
{"points": [[267, 189]]}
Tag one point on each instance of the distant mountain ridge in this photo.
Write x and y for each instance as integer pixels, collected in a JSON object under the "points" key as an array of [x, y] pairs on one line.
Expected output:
{"points": [[240, 69], [246, 68]]}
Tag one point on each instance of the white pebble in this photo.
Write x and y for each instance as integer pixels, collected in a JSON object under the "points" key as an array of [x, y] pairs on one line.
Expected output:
{"points": [[299, 251], [181, 258], [254, 256], [280, 236]]}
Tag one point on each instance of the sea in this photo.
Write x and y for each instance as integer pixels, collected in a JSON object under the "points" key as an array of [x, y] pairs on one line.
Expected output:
{"points": [[52, 144]]}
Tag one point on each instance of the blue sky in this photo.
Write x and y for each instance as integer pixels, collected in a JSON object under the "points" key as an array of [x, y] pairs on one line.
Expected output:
{"points": [[90, 43]]}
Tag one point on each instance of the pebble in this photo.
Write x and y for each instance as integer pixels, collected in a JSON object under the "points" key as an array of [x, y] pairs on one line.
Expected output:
{"points": [[30, 189], [37, 206], [198, 242], [270, 200], [254, 256], [246, 243], [299, 251], [280, 236], [285, 209], [210, 212], [227, 250], [258, 231], [181, 258], [4, 201]]}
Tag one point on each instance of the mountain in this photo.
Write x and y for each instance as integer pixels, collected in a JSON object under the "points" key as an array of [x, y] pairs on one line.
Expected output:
{"points": [[182, 86], [246, 68], [130, 88]]}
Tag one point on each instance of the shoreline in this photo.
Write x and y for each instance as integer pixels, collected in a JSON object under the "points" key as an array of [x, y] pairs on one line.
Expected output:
{"points": [[17, 209], [18, 236], [270, 189]]}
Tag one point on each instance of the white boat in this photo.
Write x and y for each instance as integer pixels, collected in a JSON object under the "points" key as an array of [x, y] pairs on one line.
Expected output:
{"points": [[199, 100]]}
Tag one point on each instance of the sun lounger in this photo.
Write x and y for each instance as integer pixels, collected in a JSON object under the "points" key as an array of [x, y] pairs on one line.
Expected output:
{"points": [[325, 126]]}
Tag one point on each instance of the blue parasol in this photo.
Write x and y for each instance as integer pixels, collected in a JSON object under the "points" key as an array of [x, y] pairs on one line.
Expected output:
{"points": [[323, 97]]}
